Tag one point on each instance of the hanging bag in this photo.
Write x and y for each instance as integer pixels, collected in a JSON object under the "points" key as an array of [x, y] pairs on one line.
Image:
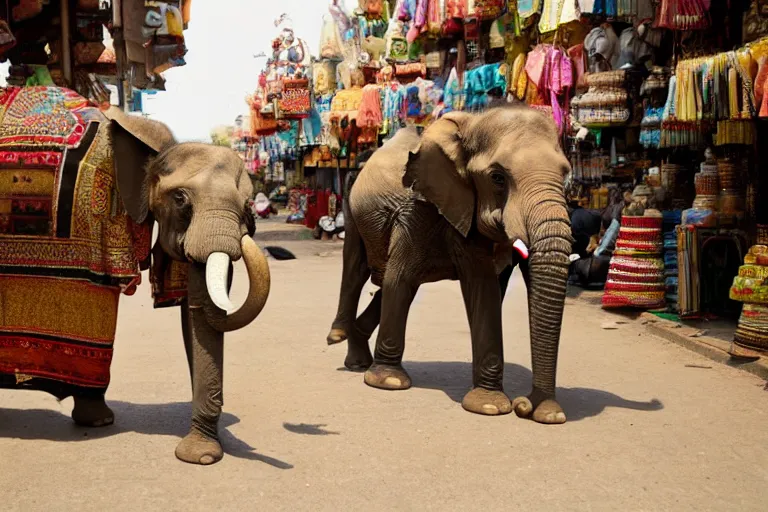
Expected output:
{"points": [[295, 99], [329, 40], [579, 59], [486, 9]]}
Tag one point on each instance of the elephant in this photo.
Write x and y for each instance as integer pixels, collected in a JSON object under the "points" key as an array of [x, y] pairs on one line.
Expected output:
{"points": [[80, 191], [464, 200]]}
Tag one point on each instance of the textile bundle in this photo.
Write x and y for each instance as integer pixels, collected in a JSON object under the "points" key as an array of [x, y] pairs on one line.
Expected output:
{"points": [[671, 219], [636, 274], [688, 259]]}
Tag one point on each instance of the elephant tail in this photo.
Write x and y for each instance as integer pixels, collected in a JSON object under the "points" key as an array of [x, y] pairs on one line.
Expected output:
{"points": [[279, 253]]}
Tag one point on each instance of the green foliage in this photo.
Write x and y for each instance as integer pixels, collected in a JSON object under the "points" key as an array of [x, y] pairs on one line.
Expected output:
{"points": [[222, 136]]}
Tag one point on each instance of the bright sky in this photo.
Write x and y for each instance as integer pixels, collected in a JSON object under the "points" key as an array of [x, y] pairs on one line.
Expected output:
{"points": [[222, 37]]}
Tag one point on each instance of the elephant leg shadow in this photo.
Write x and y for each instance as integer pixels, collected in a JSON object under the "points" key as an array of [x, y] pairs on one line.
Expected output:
{"points": [[169, 419], [454, 379]]}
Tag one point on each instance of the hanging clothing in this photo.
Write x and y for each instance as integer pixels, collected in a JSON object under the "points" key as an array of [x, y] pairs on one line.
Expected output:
{"points": [[556, 13]]}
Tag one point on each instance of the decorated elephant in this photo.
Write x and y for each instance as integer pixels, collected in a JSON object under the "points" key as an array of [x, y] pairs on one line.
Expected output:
{"points": [[80, 190], [464, 202]]}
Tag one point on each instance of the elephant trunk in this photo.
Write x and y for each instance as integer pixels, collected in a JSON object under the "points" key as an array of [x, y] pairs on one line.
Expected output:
{"points": [[216, 277], [546, 274]]}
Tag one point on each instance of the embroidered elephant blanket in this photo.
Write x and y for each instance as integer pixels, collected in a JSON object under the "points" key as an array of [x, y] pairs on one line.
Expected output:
{"points": [[67, 247]]}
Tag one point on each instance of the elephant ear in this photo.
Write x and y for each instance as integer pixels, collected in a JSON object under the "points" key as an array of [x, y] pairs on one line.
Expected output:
{"points": [[437, 171], [135, 140]]}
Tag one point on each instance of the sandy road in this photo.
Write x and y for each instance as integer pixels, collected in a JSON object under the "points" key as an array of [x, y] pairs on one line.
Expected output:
{"points": [[645, 431]]}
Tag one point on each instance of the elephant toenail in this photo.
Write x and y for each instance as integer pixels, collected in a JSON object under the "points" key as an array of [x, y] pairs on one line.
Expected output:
{"points": [[392, 381], [490, 408], [206, 459]]}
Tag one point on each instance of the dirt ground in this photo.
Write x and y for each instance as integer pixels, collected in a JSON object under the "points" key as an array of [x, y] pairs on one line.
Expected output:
{"points": [[651, 425]]}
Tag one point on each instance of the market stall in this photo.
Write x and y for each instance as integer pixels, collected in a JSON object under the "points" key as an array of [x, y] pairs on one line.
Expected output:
{"points": [[638, 90], [88, 44]]}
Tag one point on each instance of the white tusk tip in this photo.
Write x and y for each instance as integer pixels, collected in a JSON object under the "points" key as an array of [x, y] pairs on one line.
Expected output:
{"points": [[521, 248], [216, 275]]}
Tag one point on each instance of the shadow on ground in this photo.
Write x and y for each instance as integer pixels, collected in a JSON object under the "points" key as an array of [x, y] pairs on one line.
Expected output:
{"points": [[171, 419], [309, 429], [455, 378]]}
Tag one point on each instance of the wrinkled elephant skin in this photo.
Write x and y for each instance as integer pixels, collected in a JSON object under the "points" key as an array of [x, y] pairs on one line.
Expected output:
{"points": [[467, 200]]}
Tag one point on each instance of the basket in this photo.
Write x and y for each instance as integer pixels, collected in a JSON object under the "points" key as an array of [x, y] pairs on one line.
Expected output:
{"points": [[762, 234], [706, 183]]}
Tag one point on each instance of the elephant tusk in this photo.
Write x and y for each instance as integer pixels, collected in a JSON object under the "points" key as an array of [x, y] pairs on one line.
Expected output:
{"points": [[521, 249], [216, 275]]}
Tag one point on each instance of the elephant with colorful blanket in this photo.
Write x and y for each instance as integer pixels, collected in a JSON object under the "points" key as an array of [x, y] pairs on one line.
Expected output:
{"points": [[80, 190]]}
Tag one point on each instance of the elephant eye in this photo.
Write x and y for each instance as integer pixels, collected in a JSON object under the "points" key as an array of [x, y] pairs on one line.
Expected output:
{"points": [[498, 178], [179, 198]]}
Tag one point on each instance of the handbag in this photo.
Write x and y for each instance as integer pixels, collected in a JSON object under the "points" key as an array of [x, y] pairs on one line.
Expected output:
{"points": [[455, 9], [398, 48], [329, 40], [372, 8], [579, 59], [322, 74], [486, 9], [295, 100], [26, 9], [88, 53]]}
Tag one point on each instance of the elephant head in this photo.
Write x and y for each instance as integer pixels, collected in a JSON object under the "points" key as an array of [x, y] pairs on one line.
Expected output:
{"points": [[500, 175], [198, 194]]}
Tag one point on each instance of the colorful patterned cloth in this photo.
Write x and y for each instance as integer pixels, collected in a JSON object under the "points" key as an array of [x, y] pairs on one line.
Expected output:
{"points": [[67, 248], [636, 275]]}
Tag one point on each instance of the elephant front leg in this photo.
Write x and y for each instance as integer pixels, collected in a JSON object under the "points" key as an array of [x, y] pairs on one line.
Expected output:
{"points": [[387, 371], [482, 299], [205, 353]]}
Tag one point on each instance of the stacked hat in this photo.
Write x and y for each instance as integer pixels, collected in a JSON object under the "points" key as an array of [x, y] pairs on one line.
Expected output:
{"points": [[706, 181], [750, 286], [636, 274]]}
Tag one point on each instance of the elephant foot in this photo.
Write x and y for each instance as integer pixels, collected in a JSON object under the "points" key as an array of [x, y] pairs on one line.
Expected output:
{"points": [[196, 448], [540, 408], [489, 403], [336, 336], [358, 358], [92, 412], [384, 376]]}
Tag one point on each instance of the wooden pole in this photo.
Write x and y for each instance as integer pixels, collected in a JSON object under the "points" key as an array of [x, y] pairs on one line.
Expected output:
{"points": [[117, 13], [119, 45], [66, 42]]}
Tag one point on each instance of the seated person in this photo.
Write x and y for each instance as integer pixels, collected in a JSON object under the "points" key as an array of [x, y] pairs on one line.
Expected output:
{"points": [[584, 225], [592, 270]]}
